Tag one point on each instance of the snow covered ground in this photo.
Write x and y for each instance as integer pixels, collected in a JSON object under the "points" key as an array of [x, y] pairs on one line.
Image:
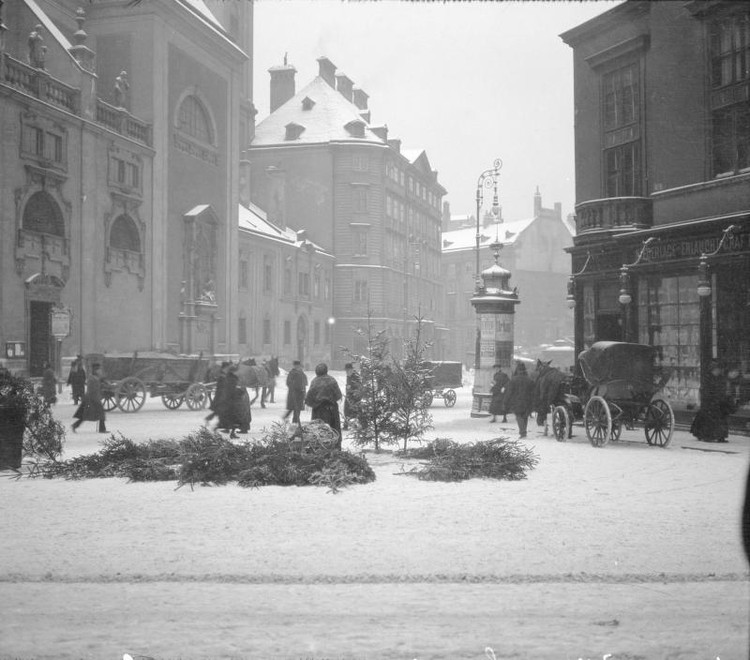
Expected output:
{"points": [[627, 550]]}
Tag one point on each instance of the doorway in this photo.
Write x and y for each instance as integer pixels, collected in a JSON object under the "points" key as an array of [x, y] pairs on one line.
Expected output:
{"points": [[40, 339]]}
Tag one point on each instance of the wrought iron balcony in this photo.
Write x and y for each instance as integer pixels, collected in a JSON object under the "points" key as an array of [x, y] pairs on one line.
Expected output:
{"points": [[613, 213]]}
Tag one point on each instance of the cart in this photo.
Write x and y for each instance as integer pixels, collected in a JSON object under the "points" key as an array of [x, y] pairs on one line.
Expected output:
{"points": [[176, 379], [444, 377], [623, 387]]}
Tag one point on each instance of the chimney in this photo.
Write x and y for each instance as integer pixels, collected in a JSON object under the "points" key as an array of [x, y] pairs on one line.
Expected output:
{"points": [[395, 145], [537, 203], [359, 98], [381, 132], [327, 71], [344, 85], [446, 217], [282, 84]]}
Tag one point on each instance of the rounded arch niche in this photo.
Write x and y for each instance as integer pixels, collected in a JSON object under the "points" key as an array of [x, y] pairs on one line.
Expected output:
{"points": [[43, 215], [124, 234], [194, 118]]}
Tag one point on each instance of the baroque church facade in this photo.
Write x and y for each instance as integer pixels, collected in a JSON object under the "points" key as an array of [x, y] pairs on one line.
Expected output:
{"points": [[119, 176]]}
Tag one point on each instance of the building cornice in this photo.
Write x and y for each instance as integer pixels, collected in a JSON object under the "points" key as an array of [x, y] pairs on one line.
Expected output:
{"points": [[627, 11]]}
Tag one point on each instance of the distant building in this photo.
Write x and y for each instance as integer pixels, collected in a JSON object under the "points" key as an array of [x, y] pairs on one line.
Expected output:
{"points": [[271, 306], [534, 252], [119, 183], [318, 163], [666, 157]]}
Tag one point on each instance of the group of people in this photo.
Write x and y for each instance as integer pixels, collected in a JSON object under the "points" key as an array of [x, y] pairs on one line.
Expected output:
{"points": [[512, 394]]}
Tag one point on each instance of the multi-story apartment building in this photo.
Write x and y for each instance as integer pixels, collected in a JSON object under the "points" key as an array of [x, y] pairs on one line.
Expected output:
{"points": [[318, 163], [533, 250], [284, 281], [662, 137], [119, 186]]}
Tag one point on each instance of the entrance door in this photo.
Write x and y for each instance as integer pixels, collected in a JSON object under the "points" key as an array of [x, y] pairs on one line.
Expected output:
{"points": [[40, 339]]}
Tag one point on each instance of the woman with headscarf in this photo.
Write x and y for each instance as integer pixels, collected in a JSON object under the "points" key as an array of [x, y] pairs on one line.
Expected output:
{"points": [[323, 397], [711, 424]]}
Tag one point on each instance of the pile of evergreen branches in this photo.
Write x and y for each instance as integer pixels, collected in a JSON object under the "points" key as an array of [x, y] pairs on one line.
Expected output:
{"points": [[207, 458], [492, 459]]}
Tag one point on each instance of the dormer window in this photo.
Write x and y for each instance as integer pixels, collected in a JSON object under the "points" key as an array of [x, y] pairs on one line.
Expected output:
{"points": [[293, 131], [356, 128], [307, 103]]}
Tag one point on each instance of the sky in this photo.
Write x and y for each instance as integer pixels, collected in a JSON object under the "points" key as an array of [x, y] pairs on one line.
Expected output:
{"points": [[468, 82]]}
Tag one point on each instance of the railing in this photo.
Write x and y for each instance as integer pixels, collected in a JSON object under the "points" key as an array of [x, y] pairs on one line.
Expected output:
{"points": [[121, 121], [614, 213], [41, 84]]}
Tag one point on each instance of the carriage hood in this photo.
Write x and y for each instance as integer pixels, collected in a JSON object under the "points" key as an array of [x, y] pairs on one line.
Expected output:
{"points": [[607, 361]]}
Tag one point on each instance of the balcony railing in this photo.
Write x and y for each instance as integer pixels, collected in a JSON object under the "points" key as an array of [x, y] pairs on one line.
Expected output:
{"points": [[40, 84], [121, 121], [614, 213]]}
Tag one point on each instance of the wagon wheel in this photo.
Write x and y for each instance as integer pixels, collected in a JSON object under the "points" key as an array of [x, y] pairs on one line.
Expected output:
{"points": [[196, 397], [658, 423], [427, 398], [560, 423], [450, 398], [616, 429], [598, 421], [172, 400], [109, 400], [131, 394]]}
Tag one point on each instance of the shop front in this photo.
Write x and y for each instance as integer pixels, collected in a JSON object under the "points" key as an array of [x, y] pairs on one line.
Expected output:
{"points": [[684, 289]]}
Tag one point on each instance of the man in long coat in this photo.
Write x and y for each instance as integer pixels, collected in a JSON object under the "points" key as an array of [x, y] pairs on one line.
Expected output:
{"points": [[519, 397], [296, 384], [499, 386], [323, 397], [91, 410]]}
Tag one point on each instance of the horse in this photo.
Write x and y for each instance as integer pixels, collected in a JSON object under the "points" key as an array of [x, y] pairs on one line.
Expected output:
{"points": [[548, 390], [253, 376]]}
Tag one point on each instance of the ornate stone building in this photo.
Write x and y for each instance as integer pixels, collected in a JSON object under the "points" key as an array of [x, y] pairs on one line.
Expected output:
{"points": [[119, 175], [318, 163]]}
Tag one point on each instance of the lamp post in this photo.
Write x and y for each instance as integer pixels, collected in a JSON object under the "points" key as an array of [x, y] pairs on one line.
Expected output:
{"points": [[625, 297], [331, 322], [487, 179]]}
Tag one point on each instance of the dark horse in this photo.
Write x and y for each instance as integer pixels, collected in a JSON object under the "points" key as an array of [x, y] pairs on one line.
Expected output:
{"points": [[548, 390]]}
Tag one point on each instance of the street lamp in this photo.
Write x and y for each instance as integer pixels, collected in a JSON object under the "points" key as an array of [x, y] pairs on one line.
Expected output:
{"points": [[704, 284], [331, 321], [625, 298], [571, 298], [487, 179]]}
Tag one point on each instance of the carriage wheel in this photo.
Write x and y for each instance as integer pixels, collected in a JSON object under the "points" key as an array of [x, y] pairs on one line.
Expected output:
{"points": [[427, 399], [109, 400], [131, 394], [172, 400], [598, 421], [450, 399], [196, 397], [616, 430], [658, 424], [560, 423]]}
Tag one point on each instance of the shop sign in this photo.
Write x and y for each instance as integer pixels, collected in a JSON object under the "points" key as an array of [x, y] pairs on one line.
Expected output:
{"points": [[690, 248]]}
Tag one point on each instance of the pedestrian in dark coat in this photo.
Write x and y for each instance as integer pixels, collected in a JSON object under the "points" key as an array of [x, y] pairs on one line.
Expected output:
{"points": [[711, 423], [77, 380], [499, 386], [353, 394], [234, 408], [219, 398], [91, 410], [296, 384], [49, 385], [520, 397], [269, 388], [323, 397]]}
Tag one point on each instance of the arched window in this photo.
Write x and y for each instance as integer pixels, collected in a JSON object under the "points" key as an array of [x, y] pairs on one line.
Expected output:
{"points": [[124, 234], [42, 214], [193, 120]]}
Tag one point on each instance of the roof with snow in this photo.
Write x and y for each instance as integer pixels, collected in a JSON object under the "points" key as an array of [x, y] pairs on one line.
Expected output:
{"points": [[254, 219], [466, 238], [330, 117]]}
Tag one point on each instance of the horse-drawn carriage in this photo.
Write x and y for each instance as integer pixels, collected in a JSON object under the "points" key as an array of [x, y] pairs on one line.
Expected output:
{"points": [[176, 379], [444, 377], [622, 386]]}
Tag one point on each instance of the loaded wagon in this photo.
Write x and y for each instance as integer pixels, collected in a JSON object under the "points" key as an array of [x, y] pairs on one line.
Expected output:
{"points": [[623, 392], [444, 377], [127, 378]]}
